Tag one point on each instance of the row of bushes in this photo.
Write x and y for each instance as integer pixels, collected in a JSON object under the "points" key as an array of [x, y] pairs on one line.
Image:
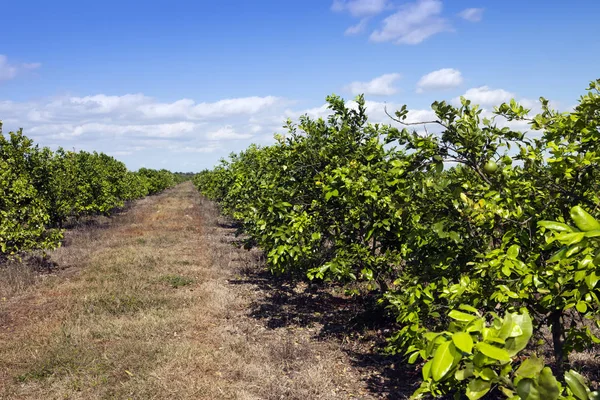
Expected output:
{"points": [[448, 225], [41, 189]]}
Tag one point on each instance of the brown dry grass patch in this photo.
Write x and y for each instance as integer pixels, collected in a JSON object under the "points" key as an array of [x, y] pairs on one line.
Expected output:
{"points": [[158, 304]]}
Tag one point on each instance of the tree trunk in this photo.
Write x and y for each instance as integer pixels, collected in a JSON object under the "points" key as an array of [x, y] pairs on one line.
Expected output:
{"points": [[560, 357]]}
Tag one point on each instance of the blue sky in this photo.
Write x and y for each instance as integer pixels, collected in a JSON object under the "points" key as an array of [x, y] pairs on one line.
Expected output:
{"points": [[180, 84]]}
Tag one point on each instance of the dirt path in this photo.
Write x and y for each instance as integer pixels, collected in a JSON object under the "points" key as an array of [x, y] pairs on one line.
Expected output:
{"points": [[153, 307]]}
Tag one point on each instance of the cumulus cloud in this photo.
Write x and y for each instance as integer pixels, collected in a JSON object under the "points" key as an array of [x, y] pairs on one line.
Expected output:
{"points": [[380, 86], [137, 127], [91, 129], [412, 23], [315, 112], [444, 78], [472, 14], [360, 8], [486, 96], [357, 29], [119, 153], [10, 70], [190, 134], [192, 149], [187, 108], [140, 106], [7, 71], [227, 133]]}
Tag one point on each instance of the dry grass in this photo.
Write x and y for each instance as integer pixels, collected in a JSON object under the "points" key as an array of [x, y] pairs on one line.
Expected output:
{"points": [[158, 304]]}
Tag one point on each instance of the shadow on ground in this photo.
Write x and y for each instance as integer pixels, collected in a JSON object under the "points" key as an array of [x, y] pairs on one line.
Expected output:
{"points": [[358, 324]]}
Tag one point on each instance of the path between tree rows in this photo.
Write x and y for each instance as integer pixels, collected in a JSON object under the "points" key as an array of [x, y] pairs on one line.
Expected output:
{"points": [[157, 303]]}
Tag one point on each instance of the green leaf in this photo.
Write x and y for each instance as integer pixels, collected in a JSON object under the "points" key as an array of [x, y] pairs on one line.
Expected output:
{"points": [[515, 344], [530, 368], [367, 273], [581, 306], [477, 388], [555, 226], [469, 308], [571, 238], [577, 385], [413, 357], [476, 325], [580, 275], [591, 280], [527, 390], [508, 393], [584, 220], [426, 371], [443, 360], [506, 268], [461, 316], [488, 374], [333, 193], [547, 385], [493, 352], [576, 248], [559, 255], [506, 328], [462, 374], [513, 251], [463, 341]]}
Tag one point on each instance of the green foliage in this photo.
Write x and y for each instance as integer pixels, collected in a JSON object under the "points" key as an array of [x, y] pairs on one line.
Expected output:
{"points": [[437, 218], [40, 190], [23, 215], [473, 357], [156, 181]]}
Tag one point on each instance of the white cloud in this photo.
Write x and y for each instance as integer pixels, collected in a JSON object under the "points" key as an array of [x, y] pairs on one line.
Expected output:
{"points": [[10, 71], [360, 8], [138, 106], [472, 14], [380, 86], [357, 29], [120, 153], [227, 133], [191, 134], [187, 108], [484, 96], [71, 130], [444, 78], [138, 127], [315, 112], [191, 149], [99, 104], [7, 71], [413, 23]]}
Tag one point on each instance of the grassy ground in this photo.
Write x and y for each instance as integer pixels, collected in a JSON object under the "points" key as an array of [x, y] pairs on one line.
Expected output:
{"points": [[156, 303]]}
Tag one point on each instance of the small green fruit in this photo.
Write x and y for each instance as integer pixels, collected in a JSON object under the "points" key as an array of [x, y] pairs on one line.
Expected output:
{"points": [[490, 167]]}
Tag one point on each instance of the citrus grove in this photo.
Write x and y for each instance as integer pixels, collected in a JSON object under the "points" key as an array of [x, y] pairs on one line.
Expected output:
{"points": [[479, 239], [41, 189]]}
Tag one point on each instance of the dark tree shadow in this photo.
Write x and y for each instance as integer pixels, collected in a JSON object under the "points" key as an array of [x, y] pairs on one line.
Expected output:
{"points": [[358, 323]]}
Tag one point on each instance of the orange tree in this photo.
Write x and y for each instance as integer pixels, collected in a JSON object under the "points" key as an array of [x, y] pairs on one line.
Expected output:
{"points": [[41, 189], [432, 221]]}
